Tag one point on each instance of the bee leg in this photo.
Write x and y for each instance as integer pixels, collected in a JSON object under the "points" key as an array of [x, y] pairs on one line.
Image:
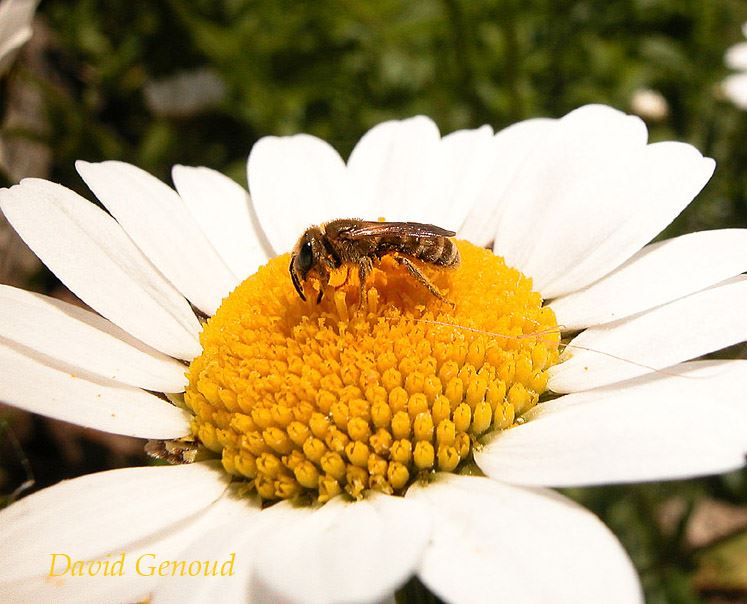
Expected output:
{"points": [[422, 279], [323, 271], [365, 266]]}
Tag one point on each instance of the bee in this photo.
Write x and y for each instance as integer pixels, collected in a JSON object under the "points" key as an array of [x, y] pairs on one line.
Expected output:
{"points": [[363, 243]]}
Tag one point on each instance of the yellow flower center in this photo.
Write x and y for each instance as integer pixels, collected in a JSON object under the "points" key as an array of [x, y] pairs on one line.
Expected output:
{"points": [[305, 398]]}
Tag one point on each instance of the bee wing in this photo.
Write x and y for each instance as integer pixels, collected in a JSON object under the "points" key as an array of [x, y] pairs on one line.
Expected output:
{"points": [[377, 229]]}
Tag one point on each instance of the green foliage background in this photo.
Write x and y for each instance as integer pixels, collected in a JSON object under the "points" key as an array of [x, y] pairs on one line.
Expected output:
{"points": [[334, 69]]}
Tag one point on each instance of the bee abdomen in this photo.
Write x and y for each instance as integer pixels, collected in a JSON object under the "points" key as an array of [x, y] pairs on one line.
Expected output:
{"points": [[440, 252]]}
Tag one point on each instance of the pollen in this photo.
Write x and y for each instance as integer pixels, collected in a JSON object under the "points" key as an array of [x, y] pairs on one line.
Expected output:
{"points": [[307, 399]]}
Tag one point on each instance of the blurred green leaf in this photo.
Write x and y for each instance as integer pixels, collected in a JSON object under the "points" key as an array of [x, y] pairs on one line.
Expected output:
{"points": [[723, 567]]}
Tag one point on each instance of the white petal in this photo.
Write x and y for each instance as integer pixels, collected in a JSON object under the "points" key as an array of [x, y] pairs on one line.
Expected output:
{"points": [[224, 211], [461, 166], [497, 543], [297, 181], [345, 552], [100, 513], [155, 218], [140, 561], [83, 340], [391, 167], [504, 157], [591, 196], [565, 158], [35, 383], [659, 273], [687, 422], [649, 192], [92, 256], [230, 540], [687, 328]]}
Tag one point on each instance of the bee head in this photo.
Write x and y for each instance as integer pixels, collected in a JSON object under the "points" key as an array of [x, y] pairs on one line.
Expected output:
{"points": [[303, 258]]}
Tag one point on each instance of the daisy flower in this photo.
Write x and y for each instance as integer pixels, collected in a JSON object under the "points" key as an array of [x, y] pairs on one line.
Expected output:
{"points": [[735, 85], [343, 447], [15, 28]]}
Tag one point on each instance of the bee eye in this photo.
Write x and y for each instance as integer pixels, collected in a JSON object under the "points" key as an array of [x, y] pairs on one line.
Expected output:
{"points": [[305, 258]]}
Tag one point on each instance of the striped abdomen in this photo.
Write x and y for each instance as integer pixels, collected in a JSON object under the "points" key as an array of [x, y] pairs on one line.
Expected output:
{"points": [[437, 251]]}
